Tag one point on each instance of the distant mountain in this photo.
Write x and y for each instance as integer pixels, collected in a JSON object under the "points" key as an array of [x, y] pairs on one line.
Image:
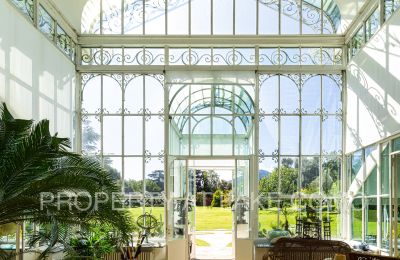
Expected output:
{"points": [[263, 173]]}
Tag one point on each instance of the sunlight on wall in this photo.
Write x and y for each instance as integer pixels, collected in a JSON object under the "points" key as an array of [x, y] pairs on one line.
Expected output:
{"points": [[46, 84], [373, 82], [393, 38], [21, 66], [20, 99], [36, 79], [2, 56]]}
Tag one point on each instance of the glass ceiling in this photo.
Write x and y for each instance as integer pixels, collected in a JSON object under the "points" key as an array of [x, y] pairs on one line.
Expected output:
{"points": [[206, 17], [211, 99]]}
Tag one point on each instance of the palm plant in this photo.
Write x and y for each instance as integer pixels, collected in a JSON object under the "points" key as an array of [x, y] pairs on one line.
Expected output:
{"points": [[33, 162]]}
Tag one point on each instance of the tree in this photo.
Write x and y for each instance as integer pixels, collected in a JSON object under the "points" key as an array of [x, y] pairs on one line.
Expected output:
{"points": [[158, 178], [35, 165], [216, 201]]}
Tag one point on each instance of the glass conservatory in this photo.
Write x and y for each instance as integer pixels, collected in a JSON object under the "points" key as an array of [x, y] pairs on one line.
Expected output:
{"points": [[282, 98]]}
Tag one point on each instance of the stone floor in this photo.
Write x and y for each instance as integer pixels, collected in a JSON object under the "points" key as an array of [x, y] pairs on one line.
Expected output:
{"points": [[220, 245]]}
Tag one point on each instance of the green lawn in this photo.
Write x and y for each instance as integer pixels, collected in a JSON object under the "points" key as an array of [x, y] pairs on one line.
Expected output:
{"points": [[208, 218]]}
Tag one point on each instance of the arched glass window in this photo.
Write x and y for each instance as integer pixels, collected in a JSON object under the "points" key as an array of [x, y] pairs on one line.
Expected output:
{"points": [[206, 17]]}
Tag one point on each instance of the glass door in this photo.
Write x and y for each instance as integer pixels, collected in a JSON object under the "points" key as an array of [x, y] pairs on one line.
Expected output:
{"points": [[177, 211], [192, 212], [241, 197]]}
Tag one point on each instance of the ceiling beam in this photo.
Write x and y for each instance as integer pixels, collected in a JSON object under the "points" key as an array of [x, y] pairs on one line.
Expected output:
{"points": [[212, 41]]}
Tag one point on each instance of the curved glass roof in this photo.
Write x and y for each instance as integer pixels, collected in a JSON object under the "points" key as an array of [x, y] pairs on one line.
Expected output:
{"points": [[206, 17], [205, 100]]}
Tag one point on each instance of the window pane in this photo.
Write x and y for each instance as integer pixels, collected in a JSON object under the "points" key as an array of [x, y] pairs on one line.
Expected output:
{"points": [[154, 135], [290, 17], [311, 17], [223, 17], [154, 95], [331, 176], [112, 135], [133, 94], [91, 135], [269, 95], [356, 219], [371, 164], [268, 17], [310, 143], [111, 22], [133, 174], [385, 175], [112, 94], [310, 175], [91, 96], [385, 222], [245, 18], [201, 135], [289, 175], [243, 134], [269, 135], [154, 169], [289, 135], [114, 167], [371, 215], [290, 96], [133, 17], [133, 135], [311, 94], [201, 17], [331, 95], [222, 135], [155, 17], [178, 17], [332, 135]]}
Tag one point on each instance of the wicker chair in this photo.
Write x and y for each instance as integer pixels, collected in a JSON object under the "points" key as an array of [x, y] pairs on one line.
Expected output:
{"points": [[306, 249]]}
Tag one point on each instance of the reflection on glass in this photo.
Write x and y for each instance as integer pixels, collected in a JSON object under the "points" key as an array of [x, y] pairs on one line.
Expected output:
{"points": [[356, 219], [371, 215], [331, 170], [310, 175], [356, 164], [385, 174], [385, 222], [242, 202], [331, 213], [371, 163]]}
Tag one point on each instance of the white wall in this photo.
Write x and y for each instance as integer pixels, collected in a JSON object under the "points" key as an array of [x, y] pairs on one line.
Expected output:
{"points": [[36, 80], [373, 88]]}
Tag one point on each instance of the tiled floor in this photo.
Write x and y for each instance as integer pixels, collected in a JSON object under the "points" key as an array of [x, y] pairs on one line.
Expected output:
{"points": [[220, 245]]}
